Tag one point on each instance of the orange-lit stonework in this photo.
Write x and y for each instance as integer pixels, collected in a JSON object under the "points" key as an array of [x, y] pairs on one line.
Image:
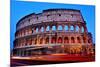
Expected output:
{"points": [[54, 31]]}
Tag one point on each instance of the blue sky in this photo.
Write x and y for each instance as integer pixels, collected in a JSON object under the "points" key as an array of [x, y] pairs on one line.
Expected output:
{"points": [[20, 9]]}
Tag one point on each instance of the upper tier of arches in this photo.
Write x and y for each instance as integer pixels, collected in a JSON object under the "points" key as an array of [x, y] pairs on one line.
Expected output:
{"points": [[50, 28]]}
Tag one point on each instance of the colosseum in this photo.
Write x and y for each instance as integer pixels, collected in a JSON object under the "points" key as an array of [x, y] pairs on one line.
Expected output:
{"points": [[53, 31]]}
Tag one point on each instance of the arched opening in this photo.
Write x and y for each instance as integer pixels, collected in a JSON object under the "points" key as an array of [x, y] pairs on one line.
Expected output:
{"points": [[78, 40], [66, 40], [53, 40], [65, 27], [60, 28], [82, 29], [41, 40], [77, 28], [37, 30], [72, 40], [47, 28], [59, 40], [42, 29], [53, 28], [35, 41], [47, 40], [71, 28]]}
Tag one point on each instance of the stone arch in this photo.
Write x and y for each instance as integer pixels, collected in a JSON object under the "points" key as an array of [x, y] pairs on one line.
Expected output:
{"points": [[37, 30], [71, 28], [41, 40], [60, 27], [72, 40], [48, 28], [35, 41], [30, 41], [47, 40], [66, 40], [82, 29], [77, 28], [42, 29], [53, 40], [65, 27], [78, 40], [60, 40], [53, 28]]}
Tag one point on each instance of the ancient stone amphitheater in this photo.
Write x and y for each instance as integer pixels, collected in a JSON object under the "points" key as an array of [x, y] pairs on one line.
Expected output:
{"points": [[52, 31]]}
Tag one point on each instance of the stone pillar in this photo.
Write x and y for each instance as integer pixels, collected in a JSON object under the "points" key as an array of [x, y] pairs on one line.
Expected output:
{"points": [[39, 29], [30, 31], [26, 31], [56, 27], [85, 29], [26, 53], [44, 28], [44, 40], [50, 28], [75, 37], [36, 39], [74, 28], [19, 52], [63, 27], [68, 28], [63, 40], [32, 41], [49, 39], [69, 39], [80, 29], [34, 29], [81, 39]]}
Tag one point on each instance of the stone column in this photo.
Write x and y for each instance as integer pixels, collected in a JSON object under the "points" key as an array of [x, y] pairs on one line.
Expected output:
{"points": [[75, 37], [32, 41], [44, 28], [26, 52], [39, 29], [57, 27], [68, 28], [16, 53], [19, 53], [74, 28], [63, 28], [49, 39], [50, 28], [34, 29], [44, 40], [85, 29], [69, 38], [81, 39], [63, 40], [36, 39], [80, 29]]}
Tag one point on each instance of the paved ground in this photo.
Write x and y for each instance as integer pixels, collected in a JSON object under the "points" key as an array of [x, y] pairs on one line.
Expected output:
{"points": [[49, 59]]}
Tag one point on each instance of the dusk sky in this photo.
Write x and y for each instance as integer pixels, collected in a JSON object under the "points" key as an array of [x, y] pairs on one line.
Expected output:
{"points": [[20, 9]]}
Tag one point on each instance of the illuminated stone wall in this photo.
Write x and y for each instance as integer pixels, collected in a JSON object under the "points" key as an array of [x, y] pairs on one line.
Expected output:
{"points": [[52, 31]]}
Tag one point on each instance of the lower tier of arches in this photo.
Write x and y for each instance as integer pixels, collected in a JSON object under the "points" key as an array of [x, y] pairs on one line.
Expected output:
{"points": [[66, 49]]}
